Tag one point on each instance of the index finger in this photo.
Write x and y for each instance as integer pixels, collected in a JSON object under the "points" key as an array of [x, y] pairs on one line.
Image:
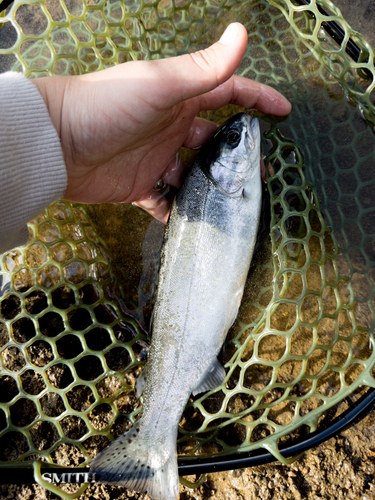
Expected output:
{"points": [[247, 93]]}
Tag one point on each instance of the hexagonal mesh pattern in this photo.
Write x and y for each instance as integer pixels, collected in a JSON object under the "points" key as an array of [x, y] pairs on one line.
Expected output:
{"points": [[63, 336], [303, 339]]}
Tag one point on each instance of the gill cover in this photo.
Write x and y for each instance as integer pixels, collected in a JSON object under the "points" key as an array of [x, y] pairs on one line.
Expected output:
{"points": [[232, 153]]}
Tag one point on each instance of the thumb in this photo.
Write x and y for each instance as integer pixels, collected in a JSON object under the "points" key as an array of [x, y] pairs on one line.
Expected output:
{"points": [[197, 73]]}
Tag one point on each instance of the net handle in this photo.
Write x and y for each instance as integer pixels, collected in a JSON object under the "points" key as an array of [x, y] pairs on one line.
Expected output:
{"points": [[335, 31]]}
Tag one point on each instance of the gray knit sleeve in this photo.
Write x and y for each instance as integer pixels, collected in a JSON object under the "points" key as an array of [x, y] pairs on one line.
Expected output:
{"points": [[32, 168]]}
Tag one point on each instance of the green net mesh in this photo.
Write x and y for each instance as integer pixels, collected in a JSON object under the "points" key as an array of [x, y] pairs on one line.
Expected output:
{"points": [[70, 352]]}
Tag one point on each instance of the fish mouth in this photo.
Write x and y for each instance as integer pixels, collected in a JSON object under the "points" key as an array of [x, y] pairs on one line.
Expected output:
{"points": [[252, 132], [233, 160], [250, 124], [250, 127]]}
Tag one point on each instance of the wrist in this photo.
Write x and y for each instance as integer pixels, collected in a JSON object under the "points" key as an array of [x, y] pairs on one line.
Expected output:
{"points": [[52, 90]]}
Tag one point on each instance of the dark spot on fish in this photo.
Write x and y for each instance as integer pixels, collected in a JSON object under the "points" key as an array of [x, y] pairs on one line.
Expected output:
{"points": [[142, 465], [137, 430], [134, 435], [148, 467], [129, 441]]}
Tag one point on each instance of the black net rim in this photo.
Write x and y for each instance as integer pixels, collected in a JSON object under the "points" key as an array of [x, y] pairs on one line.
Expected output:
{"points": [[195, 465]]}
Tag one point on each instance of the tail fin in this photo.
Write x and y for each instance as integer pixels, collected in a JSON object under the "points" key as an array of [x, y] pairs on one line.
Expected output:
{"points": [[138, 465]]}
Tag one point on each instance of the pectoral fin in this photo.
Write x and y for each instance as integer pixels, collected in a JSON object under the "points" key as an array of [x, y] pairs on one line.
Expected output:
{"points": [[151, 249], [140, 383], [212, 378]]}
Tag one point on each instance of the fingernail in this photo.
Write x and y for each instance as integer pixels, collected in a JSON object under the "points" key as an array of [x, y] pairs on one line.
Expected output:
{"points": [[230, 34]]}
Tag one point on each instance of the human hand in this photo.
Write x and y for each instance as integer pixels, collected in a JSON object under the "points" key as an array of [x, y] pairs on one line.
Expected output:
{"points": [[121, 128]]}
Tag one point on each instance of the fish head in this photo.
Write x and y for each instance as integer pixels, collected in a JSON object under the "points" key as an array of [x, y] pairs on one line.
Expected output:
{"points": [[231, 157]]}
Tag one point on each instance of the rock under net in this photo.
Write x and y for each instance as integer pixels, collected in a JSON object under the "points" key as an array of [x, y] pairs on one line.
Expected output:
{"points": [[303, 339]]}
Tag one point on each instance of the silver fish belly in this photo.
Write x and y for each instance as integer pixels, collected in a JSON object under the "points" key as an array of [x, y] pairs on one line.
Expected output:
{"points": [[206, 255]]}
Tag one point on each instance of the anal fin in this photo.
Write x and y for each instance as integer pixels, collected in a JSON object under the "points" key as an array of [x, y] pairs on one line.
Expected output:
{"points": [[214, 377]]}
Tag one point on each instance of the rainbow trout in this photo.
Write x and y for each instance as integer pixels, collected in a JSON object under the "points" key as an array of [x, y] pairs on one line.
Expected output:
{"points": [[208, 246]]}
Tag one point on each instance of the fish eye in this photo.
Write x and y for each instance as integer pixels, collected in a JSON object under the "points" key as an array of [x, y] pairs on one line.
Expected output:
{"points": [[233, 137]]}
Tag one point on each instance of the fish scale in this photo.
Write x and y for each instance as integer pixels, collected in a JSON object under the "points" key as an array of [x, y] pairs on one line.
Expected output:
{"points": [[205, 259]]}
